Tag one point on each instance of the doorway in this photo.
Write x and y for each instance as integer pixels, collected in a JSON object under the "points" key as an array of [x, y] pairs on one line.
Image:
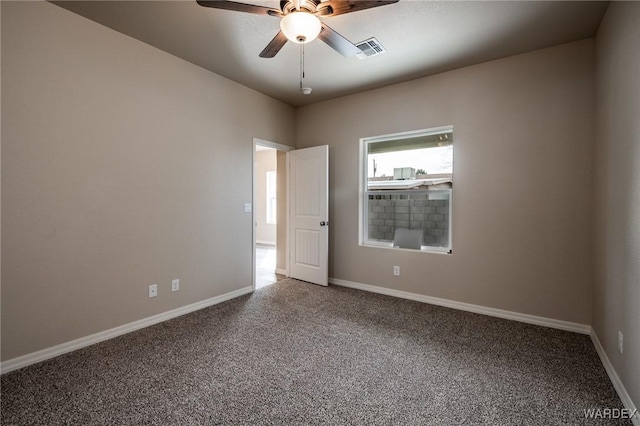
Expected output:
{"points": [[269, 213]]}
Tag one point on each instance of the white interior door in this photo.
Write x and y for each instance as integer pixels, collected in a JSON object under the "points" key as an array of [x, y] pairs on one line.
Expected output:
{"points": [[309, 214]]}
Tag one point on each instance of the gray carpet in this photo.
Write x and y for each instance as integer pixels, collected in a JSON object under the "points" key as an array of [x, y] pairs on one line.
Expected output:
{"points": [[294, 353]]}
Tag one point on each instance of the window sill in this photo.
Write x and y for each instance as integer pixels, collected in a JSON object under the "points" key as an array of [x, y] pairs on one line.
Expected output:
{"points": [[425, 249]]}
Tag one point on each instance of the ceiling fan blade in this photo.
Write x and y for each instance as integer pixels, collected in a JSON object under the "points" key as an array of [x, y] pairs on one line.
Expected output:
{"points": [[340, 7], [239, 7], [337, 42], [274, 46]]}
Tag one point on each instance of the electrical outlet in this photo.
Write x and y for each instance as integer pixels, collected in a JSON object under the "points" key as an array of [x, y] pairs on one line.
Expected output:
{"points": [[153, 290], [396, 271], [175, 285], [620, 341]]}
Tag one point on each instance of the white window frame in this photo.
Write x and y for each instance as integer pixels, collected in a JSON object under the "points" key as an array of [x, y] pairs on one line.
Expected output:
{"points": [[363, 172]]}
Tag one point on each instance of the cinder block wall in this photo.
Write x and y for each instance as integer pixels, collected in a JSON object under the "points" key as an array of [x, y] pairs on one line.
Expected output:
{"points": [[387, 212]]}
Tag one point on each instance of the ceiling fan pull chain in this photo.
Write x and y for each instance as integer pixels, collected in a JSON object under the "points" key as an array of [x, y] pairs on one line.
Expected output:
{"points": [[304, 90]]}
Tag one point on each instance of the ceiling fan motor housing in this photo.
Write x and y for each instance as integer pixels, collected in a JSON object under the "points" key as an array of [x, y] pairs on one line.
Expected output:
{"points": [[288, 6]]}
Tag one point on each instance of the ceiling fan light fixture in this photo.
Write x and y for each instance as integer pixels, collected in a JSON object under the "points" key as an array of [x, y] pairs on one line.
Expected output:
{"points": [[300, 27]]}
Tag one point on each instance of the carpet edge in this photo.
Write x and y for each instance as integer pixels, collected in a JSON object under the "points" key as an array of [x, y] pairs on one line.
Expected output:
{"points": [[478, 309], [82, 342]]}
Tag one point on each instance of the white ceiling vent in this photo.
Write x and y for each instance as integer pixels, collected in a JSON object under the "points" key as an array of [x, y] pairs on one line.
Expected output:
{"points": [[369, 48]]}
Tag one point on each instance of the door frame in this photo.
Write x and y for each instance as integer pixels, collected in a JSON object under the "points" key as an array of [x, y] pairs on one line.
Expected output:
{"points": [[279, 147]]}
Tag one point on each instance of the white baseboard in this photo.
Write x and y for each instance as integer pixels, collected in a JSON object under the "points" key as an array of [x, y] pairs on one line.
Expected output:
{"points": [[266, 243], [615, 379], [281, 272], [516, 316], [44, 354]]}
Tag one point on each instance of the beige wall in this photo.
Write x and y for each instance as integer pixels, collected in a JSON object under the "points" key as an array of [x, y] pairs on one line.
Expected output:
{"points": [[265, 161], [121, 167], [523, 142], [616, 304]]}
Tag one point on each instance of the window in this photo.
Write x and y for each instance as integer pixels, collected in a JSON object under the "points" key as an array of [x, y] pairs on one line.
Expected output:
{"points": [[406, 186], [271, 198]]}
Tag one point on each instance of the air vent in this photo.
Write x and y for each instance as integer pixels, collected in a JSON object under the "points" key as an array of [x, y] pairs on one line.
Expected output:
{"points": [[369, 48]]}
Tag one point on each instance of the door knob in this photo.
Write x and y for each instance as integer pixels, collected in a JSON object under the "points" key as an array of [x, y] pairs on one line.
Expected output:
{"points": [[324, 223]]}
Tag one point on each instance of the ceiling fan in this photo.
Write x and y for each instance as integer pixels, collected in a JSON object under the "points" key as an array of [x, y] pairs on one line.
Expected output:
{"points": [[300, 21]]}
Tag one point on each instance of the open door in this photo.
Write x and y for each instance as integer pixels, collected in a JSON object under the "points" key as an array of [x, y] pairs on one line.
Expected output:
{"points": [[309, 214], [264, 272]]}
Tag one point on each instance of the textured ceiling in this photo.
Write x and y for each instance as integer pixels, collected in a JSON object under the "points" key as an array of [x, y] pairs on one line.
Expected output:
{"points": [[421, 37]]}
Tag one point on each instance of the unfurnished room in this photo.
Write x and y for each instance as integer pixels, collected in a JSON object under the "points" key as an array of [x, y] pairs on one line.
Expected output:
{"points": [[305, 212]]}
